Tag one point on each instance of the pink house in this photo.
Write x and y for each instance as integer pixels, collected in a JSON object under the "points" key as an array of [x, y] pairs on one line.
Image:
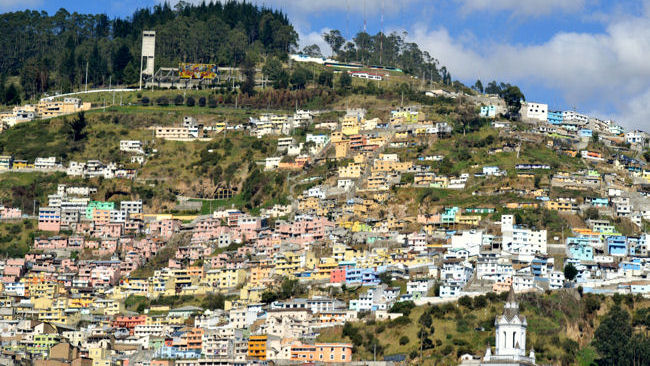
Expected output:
{"points": [[49, 219], [9, 213], [55, 242], [164, 228], [104, 276], [109, 230]]}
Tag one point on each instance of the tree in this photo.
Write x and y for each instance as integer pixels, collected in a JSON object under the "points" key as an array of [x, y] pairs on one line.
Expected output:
{"points": [[312, 51], [11, 95], [513, 98], [466, 301], [612, 336], [345, 80], [163, 101], [190, 102], [570, 272], [282, 82], [403, 307], [326, 78], [335, 40], [248, 67], [478, 86], [212, 102], [179, 100], [202, 102], [272, 68], [595, 137], [77, 127], [121, 59], [299, 78]]}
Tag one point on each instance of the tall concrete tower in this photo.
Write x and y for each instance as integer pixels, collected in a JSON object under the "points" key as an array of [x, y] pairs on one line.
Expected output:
{"points": [[148, 54]]}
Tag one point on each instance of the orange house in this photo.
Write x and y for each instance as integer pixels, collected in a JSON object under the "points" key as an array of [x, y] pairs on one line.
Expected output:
{"points": [[257, 347], [322, 352], [129, 322], [194, 339]]}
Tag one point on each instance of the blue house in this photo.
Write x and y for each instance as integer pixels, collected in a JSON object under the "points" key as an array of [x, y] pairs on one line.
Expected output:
{"points": [[555, 117], [489, 111], [617, 245], [585, 132], [363, 276], [581, 252], [633, 265], [598, 201], [537, 266]]}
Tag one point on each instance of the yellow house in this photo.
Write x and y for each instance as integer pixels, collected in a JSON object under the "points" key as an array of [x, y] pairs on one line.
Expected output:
{"points": [[337, 136], [378, 140], [100, 356], [287, 263], [473, 220], [352, 170], [225, 278], [391, 166], [325, 267], [38, 289], [251, 294], [562, 205], [259, 274], [350, 125], [403, 135], [341, 149]]}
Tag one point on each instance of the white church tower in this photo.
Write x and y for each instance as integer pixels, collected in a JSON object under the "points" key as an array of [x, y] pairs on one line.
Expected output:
{"points": [[510, 343]]}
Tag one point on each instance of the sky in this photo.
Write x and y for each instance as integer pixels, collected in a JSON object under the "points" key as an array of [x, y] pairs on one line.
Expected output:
{"points": [[588, 55]]}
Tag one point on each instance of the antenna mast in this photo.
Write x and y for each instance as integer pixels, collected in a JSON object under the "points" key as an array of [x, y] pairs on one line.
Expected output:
{"points": [[381, 34], [364, 16]]}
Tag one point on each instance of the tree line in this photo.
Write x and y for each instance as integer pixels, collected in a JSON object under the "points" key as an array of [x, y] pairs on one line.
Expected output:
{"points": [[385, 50], [52, 52]]}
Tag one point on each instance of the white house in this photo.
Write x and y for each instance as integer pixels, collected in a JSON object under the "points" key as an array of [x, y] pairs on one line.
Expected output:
{"points": [[518, 240], [537, 111], [468, 240]]}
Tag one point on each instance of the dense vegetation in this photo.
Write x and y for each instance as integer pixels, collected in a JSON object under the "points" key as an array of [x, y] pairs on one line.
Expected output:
{"points": [[381, 49], [51, 52]]}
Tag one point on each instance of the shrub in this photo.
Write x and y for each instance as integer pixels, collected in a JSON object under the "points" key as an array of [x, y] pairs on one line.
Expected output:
{"points": [[163, 101], [401, 321], [190, 102], [202, 102], [145, 101], [178, 99], [465, 301], [447, 350], [403, 340]]}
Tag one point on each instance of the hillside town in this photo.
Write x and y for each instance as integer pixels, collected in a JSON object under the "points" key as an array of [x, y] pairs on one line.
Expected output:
{"points": [[113, 283], [237, 183]]}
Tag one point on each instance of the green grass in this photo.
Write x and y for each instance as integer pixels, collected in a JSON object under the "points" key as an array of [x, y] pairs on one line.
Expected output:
{"points": [[17, 238]]}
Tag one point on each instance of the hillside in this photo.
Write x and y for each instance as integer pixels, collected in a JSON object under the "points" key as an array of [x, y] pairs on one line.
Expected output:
{"points": [[561, 327]]}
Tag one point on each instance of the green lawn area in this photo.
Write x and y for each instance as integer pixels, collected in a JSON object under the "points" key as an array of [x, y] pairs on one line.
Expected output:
{"points": [[17, 237]]}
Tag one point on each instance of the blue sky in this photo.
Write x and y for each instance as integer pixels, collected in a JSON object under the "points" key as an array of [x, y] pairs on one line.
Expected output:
{"points": [[592, 55]]}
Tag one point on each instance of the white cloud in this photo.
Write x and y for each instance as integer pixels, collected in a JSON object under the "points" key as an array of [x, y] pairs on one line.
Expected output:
{"points": [[522, 7], [6, 5], [598, 71], [317, 39]]}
